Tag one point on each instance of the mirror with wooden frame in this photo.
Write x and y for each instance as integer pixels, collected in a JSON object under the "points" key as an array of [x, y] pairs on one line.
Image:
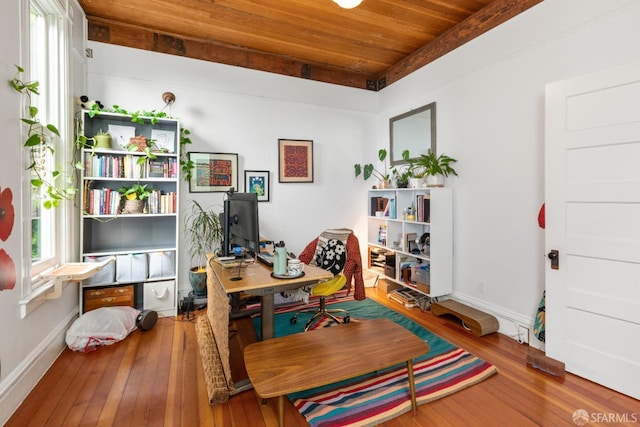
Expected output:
{"points": [[415, 131]]}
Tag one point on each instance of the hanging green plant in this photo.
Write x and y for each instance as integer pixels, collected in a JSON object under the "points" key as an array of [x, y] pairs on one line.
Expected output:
{"points": [[40, 143], [186, 164]]}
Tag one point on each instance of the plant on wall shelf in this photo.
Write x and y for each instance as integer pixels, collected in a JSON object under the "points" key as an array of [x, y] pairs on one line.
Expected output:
{"points": [[436, 165], [436, 168], [403, 172], [368, 170], [40, 144]]}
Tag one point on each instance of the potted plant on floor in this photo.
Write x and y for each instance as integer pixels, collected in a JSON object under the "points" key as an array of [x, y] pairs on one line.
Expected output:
{"points": [[436, 168], [368, 170], [134, 196], [204, 234]]}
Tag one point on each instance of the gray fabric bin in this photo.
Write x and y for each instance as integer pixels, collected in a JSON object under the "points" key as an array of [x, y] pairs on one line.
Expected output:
{"points": [[106, 276], [131, 268], [162, 264]]}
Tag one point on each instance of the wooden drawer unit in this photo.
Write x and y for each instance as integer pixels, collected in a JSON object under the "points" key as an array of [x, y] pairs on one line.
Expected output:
{"points": [[107, 297]]}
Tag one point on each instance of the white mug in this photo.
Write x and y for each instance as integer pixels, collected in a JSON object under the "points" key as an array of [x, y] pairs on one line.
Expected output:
{"points": [[295, 267]]}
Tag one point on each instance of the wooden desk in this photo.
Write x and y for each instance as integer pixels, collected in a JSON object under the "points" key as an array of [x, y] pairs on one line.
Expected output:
{"points": [[257, 280], [311, 359]]}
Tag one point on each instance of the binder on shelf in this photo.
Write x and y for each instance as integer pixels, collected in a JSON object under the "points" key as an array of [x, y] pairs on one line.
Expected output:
{"points": [[426, 208], [374, 206]]}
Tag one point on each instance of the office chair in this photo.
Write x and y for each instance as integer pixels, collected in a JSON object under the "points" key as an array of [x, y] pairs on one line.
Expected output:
{"points": [[337, 251]]}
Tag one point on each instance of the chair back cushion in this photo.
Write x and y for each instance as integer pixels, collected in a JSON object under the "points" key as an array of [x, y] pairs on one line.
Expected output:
{"points": [[332, 256]]}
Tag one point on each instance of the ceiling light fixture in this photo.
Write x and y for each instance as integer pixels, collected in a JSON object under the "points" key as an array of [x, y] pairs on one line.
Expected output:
{"points": [[347, 4]]}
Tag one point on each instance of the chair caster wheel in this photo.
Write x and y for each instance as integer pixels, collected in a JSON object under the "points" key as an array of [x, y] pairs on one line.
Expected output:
{"points": [[293, 320], [346, 319]]}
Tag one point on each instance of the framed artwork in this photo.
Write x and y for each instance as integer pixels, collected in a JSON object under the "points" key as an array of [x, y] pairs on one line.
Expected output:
{"points": [[213, 172], [295, 160], [257, 182]]}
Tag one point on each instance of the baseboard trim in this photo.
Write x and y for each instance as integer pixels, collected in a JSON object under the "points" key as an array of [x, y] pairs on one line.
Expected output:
{"points": [[19, 383], [509, 321]]}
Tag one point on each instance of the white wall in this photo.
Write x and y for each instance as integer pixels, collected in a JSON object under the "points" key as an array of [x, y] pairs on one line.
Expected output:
{"points": [[234, 110], [490, 116]]}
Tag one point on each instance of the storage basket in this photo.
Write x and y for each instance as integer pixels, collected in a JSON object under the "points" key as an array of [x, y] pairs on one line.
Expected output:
{"points": [[162, 264], [106, 276], [131, 268]]}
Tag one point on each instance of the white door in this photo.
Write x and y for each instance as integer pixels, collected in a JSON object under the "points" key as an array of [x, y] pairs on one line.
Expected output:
{"points": [[592, 194]]}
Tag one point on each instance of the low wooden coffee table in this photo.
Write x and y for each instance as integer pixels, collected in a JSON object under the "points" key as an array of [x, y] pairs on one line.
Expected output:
{"points": [[280, 366]]}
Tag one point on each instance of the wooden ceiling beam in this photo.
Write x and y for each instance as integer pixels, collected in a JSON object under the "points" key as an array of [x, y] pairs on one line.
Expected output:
{"points": [[106, 31], [490, 16]]}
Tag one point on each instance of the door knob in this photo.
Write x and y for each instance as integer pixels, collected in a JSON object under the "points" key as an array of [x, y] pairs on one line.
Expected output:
{"points": [[553, 255]]}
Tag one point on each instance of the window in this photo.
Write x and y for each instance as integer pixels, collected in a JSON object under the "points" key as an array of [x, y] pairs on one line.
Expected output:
{"points": [[46, 56]]}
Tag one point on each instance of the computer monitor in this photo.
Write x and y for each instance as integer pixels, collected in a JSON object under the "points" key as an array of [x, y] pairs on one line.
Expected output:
{"points": [[240, 224]]}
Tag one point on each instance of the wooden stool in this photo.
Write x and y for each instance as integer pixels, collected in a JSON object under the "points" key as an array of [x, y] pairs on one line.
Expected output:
{"points": [[479, 322]]}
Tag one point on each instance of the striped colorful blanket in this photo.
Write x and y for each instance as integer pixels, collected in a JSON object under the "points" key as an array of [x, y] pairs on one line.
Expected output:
{"points": [[371, 399]]}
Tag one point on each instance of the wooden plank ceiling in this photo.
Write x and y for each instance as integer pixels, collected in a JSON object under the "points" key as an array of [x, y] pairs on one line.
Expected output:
{"points": [[368, 47]]}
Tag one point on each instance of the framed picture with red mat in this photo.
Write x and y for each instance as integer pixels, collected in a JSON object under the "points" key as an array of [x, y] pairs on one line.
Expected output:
{"points": [[295, 160]]}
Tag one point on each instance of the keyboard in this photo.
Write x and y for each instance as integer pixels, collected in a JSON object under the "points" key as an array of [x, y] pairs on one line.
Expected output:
{"points": [[265, 258]]}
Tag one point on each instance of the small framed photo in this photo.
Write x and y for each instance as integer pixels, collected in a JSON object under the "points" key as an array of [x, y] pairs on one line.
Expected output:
{"points": [[257, 182], [213, 172], [295, 160]]}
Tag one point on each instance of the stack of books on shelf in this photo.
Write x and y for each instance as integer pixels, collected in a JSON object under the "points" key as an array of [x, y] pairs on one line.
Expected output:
{"points": [[103, 201], [107, 201], [162, 203], [127, 166]]}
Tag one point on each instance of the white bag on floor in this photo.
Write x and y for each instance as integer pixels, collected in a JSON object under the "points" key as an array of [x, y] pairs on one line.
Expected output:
{"points": [[100, 327]]}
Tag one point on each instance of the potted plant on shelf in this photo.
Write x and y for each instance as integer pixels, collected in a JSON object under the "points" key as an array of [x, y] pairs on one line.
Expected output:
{"points": [[204, 234], [102, 139], [368, 170], [401, 176], [436, 168], [134, 197], [404, 174]]}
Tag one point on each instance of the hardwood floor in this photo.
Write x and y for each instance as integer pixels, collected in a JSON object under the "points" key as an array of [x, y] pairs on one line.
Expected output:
{"points": [[155, 378]]}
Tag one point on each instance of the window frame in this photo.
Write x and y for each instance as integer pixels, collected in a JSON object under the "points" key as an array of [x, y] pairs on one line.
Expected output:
{"points": [[54, 108]]}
